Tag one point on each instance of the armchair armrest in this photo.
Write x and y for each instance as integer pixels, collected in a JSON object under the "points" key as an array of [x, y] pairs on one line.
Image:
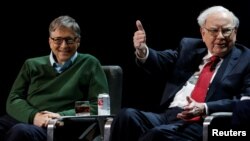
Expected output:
{"points": [[50, 129], [216, 120], [107, 128]]}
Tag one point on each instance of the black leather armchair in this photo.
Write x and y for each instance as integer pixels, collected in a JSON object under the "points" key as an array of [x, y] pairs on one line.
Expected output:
{"points": [[74, 124]]}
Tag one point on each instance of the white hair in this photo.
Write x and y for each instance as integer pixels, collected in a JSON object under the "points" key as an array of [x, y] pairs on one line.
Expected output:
{"points": [[215, 9]]}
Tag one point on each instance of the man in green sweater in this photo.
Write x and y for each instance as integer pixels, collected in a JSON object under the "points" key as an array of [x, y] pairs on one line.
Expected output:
{"points": [[48, 86]]}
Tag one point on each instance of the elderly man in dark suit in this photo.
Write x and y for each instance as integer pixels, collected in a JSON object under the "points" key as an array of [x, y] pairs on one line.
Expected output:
{"points": [[193, 89]]}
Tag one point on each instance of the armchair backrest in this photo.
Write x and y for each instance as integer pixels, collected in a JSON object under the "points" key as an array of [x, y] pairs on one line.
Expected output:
{"points": [[114, 75]]}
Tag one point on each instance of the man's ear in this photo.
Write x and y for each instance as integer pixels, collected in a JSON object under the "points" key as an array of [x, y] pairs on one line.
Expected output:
{"points": [[78, 42]]}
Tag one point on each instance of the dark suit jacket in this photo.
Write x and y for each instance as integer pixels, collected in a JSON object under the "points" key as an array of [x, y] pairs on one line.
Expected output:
{"points": [[232, 79]]}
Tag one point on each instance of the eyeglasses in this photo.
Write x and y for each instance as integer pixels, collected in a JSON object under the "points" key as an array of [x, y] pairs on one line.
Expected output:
{"points": [[226, 32], [68, 40]]}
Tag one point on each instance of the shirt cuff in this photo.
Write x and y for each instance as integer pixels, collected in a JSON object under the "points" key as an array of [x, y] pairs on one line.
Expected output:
{"points": [[142, 59], [245, 98]]}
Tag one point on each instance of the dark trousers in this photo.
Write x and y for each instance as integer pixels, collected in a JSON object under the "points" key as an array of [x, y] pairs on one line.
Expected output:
{"points": [[134, 125], [12, 130]]}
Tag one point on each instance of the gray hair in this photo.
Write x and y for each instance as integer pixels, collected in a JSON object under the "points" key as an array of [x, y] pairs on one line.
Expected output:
{"points": [[65, 21], [215, 9]]}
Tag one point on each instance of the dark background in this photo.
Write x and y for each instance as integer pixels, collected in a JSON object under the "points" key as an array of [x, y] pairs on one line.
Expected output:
{"points": [[107, 32]]}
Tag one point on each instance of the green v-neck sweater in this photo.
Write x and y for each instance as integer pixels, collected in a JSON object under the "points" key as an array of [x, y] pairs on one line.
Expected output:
{"points": [[39, 87]]}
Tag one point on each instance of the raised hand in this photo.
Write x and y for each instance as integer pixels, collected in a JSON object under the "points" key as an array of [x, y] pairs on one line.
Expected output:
{"points": [[140, 40], [139, 36]]}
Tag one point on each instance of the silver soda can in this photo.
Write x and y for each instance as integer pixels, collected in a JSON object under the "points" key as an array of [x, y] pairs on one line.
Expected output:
{"points": [[103, 104]]}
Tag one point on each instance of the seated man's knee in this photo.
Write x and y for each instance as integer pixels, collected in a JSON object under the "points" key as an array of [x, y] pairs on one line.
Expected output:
{"points": [[152, 134], [19, 129], [128, 112]]}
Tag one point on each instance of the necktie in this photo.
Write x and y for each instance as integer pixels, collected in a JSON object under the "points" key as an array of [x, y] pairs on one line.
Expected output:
{"points": [[200, 90], [201, 87]]}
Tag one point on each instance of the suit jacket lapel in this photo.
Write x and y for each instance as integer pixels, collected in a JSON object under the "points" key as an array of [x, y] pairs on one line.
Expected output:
{"points": [[227, 65]]}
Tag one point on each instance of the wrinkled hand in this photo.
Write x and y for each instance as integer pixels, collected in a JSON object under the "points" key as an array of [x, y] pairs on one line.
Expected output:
{"points": [[139, 39], [192, 109], [42, 118]]}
